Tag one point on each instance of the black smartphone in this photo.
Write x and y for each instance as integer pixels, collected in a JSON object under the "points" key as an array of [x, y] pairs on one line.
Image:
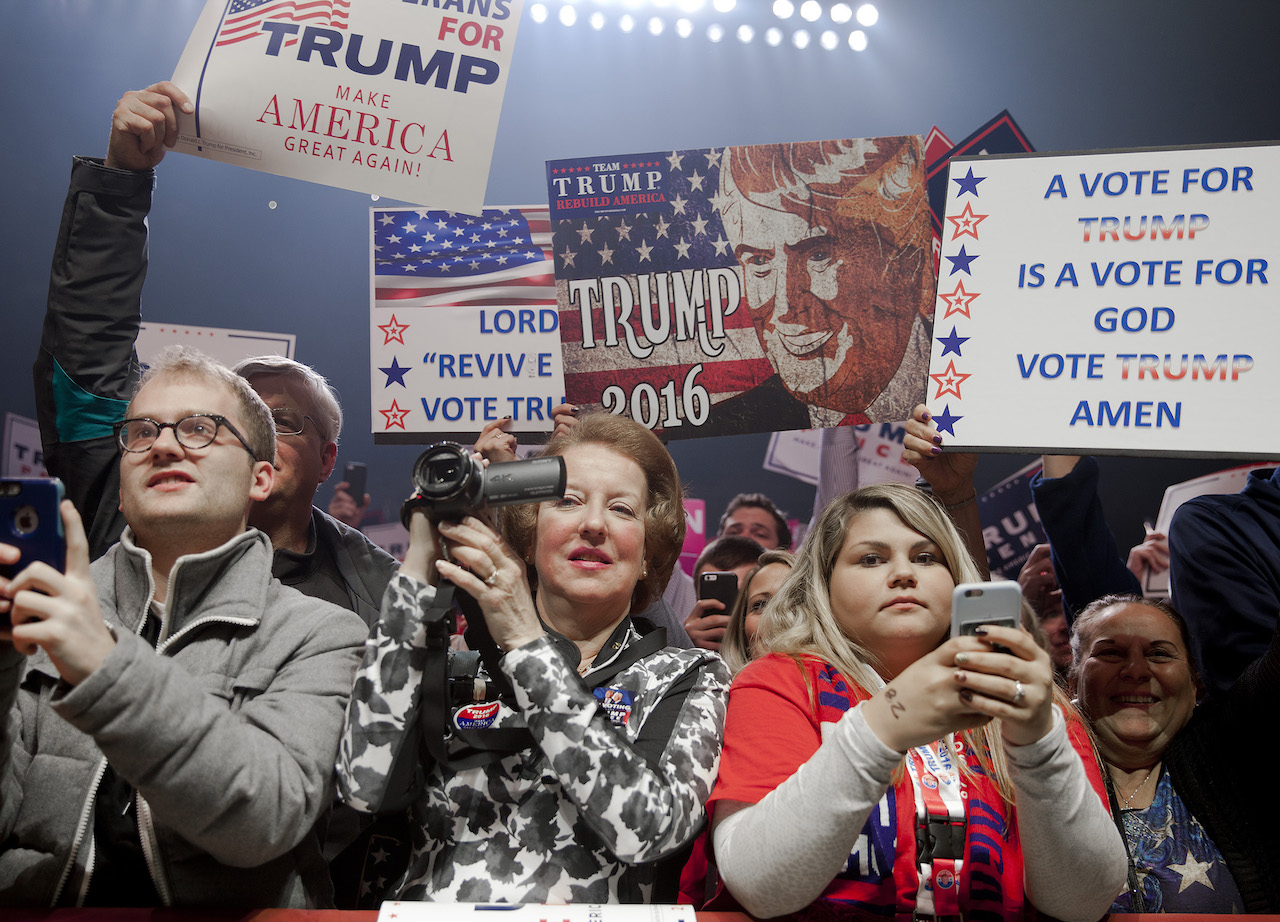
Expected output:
{"points": [[356, 475], [719, 584], [31, 521]]}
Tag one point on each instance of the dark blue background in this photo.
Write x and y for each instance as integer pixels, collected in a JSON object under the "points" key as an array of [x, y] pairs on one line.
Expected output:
{"points": [[1076, 76]]}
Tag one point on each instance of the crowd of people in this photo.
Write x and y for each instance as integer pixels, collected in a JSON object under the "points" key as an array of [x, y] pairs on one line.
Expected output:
{"points": [[229, 697]]}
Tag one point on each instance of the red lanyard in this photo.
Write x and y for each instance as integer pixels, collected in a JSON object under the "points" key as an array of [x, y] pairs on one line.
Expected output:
{"points": [[940, 827]]}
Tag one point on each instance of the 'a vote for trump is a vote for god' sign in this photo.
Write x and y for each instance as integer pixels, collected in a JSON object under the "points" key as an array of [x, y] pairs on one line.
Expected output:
{"points": [[1109, 302]]}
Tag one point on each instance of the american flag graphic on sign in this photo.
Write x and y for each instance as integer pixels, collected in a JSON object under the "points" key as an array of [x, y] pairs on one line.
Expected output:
{"points": [[244, 18], [424, 258], [745, 289]]}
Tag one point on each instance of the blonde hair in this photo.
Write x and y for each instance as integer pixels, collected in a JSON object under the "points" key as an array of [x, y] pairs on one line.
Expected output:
{"points": [[799, 620], [735, 648]]}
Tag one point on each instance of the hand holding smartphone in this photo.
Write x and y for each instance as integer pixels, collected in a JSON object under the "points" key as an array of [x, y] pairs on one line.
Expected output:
{"points": [[356, 475], [974, 604], [31, 521], [721, 585]]}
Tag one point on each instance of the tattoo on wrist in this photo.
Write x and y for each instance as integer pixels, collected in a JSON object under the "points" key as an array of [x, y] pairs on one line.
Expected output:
{"points": [[897, 709]]}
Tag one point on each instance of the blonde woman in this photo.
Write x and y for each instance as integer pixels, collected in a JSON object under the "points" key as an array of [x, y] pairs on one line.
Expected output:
{"points": [[874, 766]]}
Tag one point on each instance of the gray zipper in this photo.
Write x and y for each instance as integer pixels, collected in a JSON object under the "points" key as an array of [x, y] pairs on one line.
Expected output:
{"points": [[82, 827], [151, 849]]}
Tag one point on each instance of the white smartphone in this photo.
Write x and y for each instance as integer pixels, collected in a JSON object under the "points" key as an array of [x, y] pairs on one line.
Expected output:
{"points": [[974, 604]]}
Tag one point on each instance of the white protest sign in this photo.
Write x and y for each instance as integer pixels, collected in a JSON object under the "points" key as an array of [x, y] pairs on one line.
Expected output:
{"points": [[1109, 302], [23, 455], [226, 345], [463, 322], [390, 97]]}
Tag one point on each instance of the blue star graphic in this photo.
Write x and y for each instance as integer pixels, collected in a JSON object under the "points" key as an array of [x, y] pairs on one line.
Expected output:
{"points": [[395, 374], [967, 183], [945, 421], [961, 262], [953, 342]]}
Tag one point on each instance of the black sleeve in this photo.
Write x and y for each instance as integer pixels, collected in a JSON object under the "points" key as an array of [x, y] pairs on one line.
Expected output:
{"points": [[86, 369]]}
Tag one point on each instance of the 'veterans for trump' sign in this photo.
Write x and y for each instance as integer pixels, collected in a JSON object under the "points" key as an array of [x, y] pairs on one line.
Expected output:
{"points": [[1115, 301], [389, 97]]}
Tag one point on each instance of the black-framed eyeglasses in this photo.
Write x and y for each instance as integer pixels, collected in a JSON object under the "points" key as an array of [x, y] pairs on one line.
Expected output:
{"points": [[290, 421], [195, 431]]}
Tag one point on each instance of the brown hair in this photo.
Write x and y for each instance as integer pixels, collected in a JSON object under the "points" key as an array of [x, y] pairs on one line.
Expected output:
{"points": [[664, 524]]}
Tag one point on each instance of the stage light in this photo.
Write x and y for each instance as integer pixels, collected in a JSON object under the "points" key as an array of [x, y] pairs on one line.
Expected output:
{"points": [[715, 32], [783, 8], [841, 13], [858, 40], [773, 35], [568, 15], [868, 15], [684, 28], [656, 25], [800, 38], [626, 22], [746, 33], [538, 12], [724, 6], [810, 10], [597, 20]]}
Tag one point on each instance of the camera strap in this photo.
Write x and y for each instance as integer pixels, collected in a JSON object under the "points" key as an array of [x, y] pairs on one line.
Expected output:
{"points": [[490, 744]]}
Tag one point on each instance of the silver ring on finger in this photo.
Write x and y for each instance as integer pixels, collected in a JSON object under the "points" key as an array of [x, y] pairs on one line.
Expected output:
{"points": [[1019, 692], [492, 580]]}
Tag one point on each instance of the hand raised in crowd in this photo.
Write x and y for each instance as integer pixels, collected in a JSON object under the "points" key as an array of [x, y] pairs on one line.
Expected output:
{"points": [[950, 474], [344, 507], [963, 684], [1039, 582], [565, 417], [495, 444], [58, 612], [706, 623], [1149, 557], [144, 125]]}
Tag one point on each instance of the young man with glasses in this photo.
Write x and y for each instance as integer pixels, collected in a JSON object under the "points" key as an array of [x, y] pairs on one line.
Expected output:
{"points": [[170, 733], [87, 368]]}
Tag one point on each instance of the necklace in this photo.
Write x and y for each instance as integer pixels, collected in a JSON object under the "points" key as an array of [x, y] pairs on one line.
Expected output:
{"points": [[1141, 785]]}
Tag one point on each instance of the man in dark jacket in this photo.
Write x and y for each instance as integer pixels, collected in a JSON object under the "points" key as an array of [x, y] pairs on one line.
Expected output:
{"points": [[87, 368]]}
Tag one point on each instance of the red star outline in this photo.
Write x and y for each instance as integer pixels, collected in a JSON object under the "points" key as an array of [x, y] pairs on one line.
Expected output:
{"points": [[395, 416], [949, 381], [394, 332], [966, 223], [958, 301]]}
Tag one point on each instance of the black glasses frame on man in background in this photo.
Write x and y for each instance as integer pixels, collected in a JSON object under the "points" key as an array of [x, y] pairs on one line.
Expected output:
{"points": [[290, 421], [195, 431]]}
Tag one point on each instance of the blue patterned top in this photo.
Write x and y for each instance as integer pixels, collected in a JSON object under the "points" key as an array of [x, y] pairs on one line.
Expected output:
{"points": [[1179, 867]]}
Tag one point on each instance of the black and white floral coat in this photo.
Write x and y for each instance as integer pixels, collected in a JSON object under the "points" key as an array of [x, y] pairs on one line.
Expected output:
{"points": [[616, 782]]}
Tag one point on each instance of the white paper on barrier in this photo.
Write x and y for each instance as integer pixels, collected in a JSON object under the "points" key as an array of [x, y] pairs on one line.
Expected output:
{"points": [[1109, 302], [402, 911]]}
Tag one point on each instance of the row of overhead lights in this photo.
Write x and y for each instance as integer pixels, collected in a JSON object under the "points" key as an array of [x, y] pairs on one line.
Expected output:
{"points": [[810, 11]]}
